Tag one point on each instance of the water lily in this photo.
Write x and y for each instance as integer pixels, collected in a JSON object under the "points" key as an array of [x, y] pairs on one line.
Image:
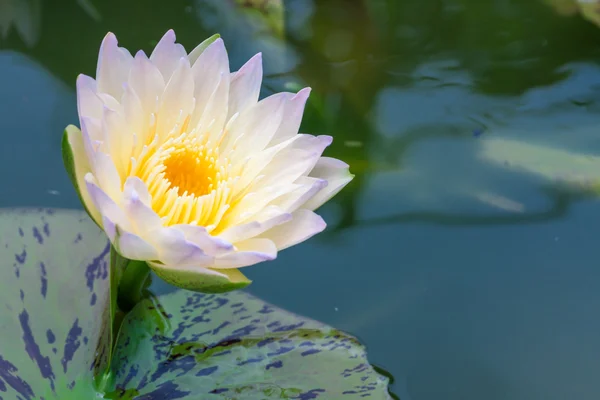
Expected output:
{"points": [[183, 167]]}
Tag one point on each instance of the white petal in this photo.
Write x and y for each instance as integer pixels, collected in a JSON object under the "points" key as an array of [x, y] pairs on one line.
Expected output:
{"points": [[213, 118], [211, 245], [262, 221], [132, 246], [177, 101], [113, 68], [139, 213], [307, 188], [303, 225], [133, 183], [82, 167], [92, 128], [245, 86], [174, 249], [135, 122], [147, 82], [105, 205], [292, 117], [251, 166], [249, 252], [107, 175], [89, 127], [297, 159], [211, 77], [116, 138], [247, 208], [110, 228], [166, 54], [336, 173], [88, 102], [254, 129]]}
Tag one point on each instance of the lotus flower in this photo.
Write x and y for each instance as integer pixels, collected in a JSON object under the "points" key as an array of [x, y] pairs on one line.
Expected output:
{"points": [[183, 167]]}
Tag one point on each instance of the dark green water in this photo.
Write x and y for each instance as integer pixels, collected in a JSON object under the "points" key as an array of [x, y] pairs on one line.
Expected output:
{"points": [[463, 253]]}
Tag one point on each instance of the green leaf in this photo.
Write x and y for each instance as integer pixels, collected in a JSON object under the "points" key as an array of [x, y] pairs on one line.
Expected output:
{"points": [[55, 330], [236, 346], [54, 320], [224, 280]]}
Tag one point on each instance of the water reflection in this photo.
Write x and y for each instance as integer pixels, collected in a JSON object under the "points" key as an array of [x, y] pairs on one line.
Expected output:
{"points": [[463, 251]]}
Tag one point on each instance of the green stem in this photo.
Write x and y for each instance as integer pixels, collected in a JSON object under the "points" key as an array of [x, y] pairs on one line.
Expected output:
{"points": [[129, 281], [132, 287]]}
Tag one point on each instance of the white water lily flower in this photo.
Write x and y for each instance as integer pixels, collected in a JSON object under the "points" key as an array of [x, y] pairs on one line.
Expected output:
{"points": [[183, 167]]}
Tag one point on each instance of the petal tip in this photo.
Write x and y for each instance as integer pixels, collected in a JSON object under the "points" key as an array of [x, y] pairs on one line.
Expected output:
{"points": [[110, 39]]}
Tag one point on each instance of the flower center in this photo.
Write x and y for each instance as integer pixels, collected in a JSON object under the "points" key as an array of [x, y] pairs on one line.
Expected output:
{"points": [[192, 170], [188, 180]]}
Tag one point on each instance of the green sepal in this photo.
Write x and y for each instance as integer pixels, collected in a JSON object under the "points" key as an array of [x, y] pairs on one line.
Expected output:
{"points": [[191, 279], [69, 163], [194, 54]]}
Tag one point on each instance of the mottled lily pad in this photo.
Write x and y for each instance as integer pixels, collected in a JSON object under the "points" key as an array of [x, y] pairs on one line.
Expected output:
{"points": [[182, 345], [53, 297], [235, 346]]}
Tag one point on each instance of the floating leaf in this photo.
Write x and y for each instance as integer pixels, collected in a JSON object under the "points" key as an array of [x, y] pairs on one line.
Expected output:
{"points": [[236, 346], [55, 331], [574, 170], [54, 292]]}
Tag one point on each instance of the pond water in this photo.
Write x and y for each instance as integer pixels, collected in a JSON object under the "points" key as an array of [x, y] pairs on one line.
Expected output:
{"points": [[464, 252]]}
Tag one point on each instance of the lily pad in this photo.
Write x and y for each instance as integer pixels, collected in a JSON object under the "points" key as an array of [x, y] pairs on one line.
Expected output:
{"points": [[235, 346], [571, 170], [53, 302], [182, 345]]}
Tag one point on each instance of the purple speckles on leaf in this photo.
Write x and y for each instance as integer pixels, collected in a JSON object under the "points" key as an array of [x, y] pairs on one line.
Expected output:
{"points": [[93, 300], [78, 238], [97, 268], [266, 309], [50, 336], [311, 394], [133, 371], [218, 328], [21, 257], [275, 364], [250, 361], [37, 235], [289, 327], [44, 279], [219, 391], [166, 391], [21, 233], [207, 371], [282, 350], [71, 344], [7, 375], [47, 229], [310, 352], [33, 350], [22, 294], [265, 342]]}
